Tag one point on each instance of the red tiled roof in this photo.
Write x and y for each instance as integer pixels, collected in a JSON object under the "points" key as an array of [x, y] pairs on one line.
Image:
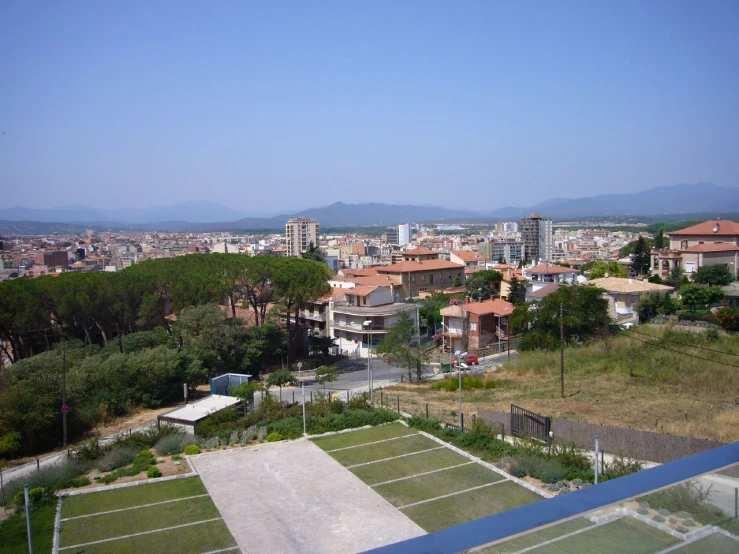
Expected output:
{"points": [[496, 306], [361, 290], [725, 228], [418, 252], [425, 265], [550, 269], [712, 247]]}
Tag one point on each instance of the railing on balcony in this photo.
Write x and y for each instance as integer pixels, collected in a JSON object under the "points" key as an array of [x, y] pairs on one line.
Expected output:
{"points": [[313, 316], [350, 326]]}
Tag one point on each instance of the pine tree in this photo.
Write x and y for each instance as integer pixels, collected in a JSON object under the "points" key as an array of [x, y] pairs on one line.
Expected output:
{"points": [[659, 240]]}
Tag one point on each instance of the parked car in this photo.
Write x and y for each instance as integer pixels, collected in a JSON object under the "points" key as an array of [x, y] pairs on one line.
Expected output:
{"points": [[469, 360]]}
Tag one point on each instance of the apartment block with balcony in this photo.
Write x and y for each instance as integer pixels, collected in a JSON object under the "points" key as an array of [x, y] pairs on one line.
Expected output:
{"points": [[479, 324], [360, 317], [414, 278]]}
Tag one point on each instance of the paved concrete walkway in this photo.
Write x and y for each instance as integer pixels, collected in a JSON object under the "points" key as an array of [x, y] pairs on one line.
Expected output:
{"points": [[291, 497]]}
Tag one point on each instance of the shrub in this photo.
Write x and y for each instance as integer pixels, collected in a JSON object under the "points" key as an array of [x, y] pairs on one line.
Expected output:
{"points": [[658, 518], [262, 434], [153, 472], [115, 458], [620, 466], [233, 440], [274, 437], [290, 428], [192, 449], [689, 500], [430, 425], [65, 475], [90, 451], [551, 474], [469, 382], [147, 438], [172, 444]]}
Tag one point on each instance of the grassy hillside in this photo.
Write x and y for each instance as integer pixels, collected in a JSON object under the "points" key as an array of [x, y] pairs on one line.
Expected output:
{"points": [[667, 381]]}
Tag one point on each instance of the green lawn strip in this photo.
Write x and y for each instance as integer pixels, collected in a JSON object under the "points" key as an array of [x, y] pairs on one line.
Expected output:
{"points": [[13, 537], [715, 544], [114, 499], [436, 484], [94, 528], [622, 535], [408, 465], [440, 514], [380, 451], [364, 436], [194, 539], [532, 539], [731, 525]]}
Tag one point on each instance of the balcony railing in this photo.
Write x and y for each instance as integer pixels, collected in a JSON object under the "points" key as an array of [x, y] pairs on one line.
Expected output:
{"points": [[357, 327], [313, 316]]}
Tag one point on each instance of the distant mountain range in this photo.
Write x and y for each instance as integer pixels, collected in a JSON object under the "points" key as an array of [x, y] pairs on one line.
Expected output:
{"points": [[676, 199], [208, 216]]}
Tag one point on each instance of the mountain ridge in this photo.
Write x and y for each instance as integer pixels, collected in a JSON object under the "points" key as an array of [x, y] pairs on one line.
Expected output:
{"points": [[208, 216]]}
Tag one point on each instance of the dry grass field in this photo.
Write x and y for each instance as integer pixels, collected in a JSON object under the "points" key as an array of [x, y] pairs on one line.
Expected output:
{"points": [[670, 389]]}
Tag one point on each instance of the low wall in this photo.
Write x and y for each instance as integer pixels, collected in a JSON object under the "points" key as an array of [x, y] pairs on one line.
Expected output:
{"points": [[643, 445]]}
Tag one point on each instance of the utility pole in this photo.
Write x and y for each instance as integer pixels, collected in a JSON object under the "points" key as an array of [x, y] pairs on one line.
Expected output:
{"points": [[65, 408], [561, 350]]}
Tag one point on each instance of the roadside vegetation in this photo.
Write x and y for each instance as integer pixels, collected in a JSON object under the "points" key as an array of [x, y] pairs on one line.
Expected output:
{"points": [[652, 378]]}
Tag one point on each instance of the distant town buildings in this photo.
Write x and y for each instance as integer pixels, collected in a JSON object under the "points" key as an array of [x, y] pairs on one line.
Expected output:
{"points": [[299, 233], [536, 234]]}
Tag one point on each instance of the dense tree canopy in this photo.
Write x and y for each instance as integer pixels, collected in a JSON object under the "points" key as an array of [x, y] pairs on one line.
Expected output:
{"points": [[585, 315], [597, 270], [640, 257], [715, 275], [484, 284]]}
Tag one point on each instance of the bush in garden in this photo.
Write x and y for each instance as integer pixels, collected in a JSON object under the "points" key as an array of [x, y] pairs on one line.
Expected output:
{"points": [[262, 434], [274, 437], [153, 472], [66, 475], [192, 449], [172, 444], [115, 458]]}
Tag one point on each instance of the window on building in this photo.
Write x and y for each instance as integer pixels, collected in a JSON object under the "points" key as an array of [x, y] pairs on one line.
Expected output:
{"points": [[473, 326], [423, 278], [364, 301], [431, 278]]}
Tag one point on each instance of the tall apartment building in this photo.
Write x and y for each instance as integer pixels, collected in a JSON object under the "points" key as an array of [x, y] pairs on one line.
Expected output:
{"points": [[537, 236], [390, 237], [404, 234], [299, 233]]}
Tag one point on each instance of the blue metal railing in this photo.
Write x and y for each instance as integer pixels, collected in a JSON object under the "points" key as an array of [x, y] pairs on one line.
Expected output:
{"points": [[561, 508]]}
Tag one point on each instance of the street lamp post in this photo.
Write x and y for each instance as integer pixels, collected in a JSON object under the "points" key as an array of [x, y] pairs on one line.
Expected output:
{"points": [[459, 355], [368, 324]]}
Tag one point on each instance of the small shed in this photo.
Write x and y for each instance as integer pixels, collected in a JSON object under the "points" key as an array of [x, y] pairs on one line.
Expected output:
{"points": [[188, 416]]}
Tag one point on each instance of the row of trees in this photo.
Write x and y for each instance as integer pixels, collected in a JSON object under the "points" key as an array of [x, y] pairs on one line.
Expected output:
{"points": [[145, 368], [95, 307]]}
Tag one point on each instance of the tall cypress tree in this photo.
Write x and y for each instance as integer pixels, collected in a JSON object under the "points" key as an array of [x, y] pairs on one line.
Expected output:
{"points": [[640, 257]]}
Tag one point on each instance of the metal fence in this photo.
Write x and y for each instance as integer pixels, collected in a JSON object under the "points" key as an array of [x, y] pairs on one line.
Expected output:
{"points": [[415, 407], [529, 425]]}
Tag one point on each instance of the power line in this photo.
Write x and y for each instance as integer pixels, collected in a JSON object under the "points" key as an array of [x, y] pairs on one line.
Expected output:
{"points": [[685, 345], [650, 343]]}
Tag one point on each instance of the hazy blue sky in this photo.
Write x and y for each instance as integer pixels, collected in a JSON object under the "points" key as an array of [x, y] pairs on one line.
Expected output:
{"points": [[284, 105]]}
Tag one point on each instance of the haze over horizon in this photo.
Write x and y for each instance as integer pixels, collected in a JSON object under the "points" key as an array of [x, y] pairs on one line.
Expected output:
{"points": [[278, 107]]}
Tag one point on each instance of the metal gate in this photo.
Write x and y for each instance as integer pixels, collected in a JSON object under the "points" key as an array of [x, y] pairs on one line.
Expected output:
{"points": [[529, 425]]}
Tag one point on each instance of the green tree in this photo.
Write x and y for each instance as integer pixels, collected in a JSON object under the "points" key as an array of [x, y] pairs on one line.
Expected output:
{"points": [[715, 275], [484, 284], [295, 282], [640, 257], [676, 278], [326, 374], [715, 295], [693, 296], [659, 240], [598, 269], [516, 291], [585, 316], [281, 379], [246, 391], [458, 281], [313, 253], [430, 309], [402, 347]]}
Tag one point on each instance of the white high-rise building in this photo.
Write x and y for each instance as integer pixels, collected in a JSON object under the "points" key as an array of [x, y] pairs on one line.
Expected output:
{"points": [[299, 233], [404, 234]]}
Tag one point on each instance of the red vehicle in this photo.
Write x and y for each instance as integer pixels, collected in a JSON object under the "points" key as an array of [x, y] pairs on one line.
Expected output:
{"points": [[470, 359]]}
